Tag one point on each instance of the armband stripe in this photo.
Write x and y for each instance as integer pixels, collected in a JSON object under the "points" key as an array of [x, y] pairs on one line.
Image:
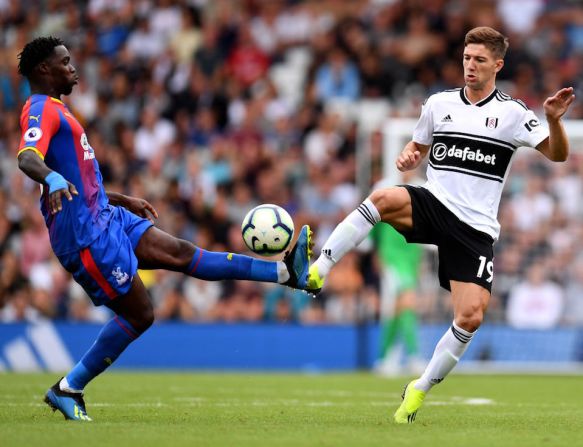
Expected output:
{"points": [[31, 148]]}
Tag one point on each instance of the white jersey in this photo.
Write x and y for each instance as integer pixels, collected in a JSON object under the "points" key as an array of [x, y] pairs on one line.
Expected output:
{"points": [[471, 151]]}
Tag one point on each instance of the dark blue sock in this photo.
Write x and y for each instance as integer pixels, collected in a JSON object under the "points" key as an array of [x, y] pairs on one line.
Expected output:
{"points": [[214, 266], [115, 336]]}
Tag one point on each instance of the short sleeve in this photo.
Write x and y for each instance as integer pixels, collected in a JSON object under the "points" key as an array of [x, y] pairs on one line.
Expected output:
{"points": [[423, 133], [530, 131], [39, 124]]}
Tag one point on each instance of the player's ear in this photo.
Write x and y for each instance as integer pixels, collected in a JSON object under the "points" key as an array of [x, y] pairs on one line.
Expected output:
{"points": [[499, 65], [42, 68]]}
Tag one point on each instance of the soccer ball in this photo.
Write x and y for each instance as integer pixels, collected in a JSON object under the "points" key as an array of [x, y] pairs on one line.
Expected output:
{"points": [[267, 229]]}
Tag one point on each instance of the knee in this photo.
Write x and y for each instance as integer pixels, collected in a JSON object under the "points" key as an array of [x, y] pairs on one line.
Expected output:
{"points": [[471, 320], [142, 319], [182, 252], [380, 200], [147, 318], [386, 201]]}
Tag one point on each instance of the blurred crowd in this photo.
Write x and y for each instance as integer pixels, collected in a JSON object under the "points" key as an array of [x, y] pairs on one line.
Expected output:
{"points": [[207, 108]]}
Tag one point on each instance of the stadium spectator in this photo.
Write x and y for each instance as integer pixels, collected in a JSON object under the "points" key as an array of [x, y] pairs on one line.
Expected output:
{"points": [[348, 300], [154, 135], [573, 308], [19, 307], [534, 208], [285, 305], [35, 245], [143, 43], [80, 309], [322, 143], [536, 302], [337, 78], [247, 62]]}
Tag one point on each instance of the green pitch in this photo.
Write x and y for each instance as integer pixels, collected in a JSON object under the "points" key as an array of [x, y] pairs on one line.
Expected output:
{"points": [[192, 409]]}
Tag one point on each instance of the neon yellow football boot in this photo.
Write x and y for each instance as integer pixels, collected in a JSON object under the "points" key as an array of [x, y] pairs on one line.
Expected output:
{"points": [[412, 401], [315, 281]]}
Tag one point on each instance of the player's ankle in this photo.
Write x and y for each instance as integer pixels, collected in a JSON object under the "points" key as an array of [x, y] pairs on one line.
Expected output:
{"points": [[423, 384], [323, 264], [64, 386]]}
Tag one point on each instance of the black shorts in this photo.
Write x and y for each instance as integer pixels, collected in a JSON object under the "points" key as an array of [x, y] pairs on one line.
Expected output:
{"points": [[465, 254]]}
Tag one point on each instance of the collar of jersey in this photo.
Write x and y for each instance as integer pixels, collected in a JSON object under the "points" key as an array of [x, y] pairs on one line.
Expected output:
{"points": [[480, 103], [58, 101]]}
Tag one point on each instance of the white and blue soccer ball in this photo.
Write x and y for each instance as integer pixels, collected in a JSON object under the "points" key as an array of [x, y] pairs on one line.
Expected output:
{"points": [[267, 229]]}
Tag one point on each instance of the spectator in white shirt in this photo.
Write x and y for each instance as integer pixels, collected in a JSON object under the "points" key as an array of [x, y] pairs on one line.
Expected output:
{"points": [[153, 135], [536, 302]]}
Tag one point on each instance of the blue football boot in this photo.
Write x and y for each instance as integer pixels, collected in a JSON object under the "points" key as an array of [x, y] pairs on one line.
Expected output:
{"points": [[297, 260], [70, 404]]}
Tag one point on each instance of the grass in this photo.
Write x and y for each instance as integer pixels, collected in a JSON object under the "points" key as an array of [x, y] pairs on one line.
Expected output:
{"points": [[193, 409]]}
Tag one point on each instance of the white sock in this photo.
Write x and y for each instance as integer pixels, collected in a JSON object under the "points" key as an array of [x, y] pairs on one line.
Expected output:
{"points": [[282, 273], [447, 353], [347, 235], [64, 386]]}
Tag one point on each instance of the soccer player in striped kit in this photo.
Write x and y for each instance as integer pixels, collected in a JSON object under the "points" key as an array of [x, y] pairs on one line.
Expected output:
{"points": [[102, 237], [470, 135]]}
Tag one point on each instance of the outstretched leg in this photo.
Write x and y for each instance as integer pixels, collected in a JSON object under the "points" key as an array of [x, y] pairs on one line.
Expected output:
{"points": [[392, 206], [159, 250]]}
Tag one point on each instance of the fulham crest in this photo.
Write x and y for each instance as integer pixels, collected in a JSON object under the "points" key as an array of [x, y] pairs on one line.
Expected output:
{"points": [[491, 123]]}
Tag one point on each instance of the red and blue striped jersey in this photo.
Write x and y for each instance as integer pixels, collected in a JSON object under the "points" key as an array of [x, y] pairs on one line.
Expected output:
{"points": [[50, 130]]}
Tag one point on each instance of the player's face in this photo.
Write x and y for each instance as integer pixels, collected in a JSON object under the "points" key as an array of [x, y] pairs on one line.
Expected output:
{"points": [[63, 75], [480, 67]]}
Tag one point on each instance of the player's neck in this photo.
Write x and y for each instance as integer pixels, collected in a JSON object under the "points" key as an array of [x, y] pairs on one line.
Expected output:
{"points": [[42, 90], [475, 96]]}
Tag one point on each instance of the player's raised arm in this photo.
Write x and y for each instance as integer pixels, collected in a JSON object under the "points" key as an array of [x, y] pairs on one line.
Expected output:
{"points": [[33, 166], [556, 146], [411, 156]]}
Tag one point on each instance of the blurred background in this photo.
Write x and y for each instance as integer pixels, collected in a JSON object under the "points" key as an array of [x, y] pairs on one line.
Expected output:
{"points": [[207, 108]]}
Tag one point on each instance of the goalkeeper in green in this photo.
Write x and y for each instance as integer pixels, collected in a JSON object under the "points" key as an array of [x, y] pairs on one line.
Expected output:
{"points": [[400, 263]]}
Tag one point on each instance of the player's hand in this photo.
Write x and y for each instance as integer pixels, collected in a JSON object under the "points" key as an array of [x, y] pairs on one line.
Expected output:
{"points": [[56, 197], [408, 160], [141, 207], [556, 106]]}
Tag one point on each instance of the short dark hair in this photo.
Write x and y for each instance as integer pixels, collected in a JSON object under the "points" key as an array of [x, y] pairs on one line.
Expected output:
{"points": [[495, 41], [35, 52]]}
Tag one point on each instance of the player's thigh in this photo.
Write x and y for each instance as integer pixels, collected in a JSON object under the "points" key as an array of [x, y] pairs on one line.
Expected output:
{"points": [[160, 250], [105, 268], [394, 206]]}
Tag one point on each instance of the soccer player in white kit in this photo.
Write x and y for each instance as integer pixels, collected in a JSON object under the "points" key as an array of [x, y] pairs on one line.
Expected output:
{"points": [[470, 135]]}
